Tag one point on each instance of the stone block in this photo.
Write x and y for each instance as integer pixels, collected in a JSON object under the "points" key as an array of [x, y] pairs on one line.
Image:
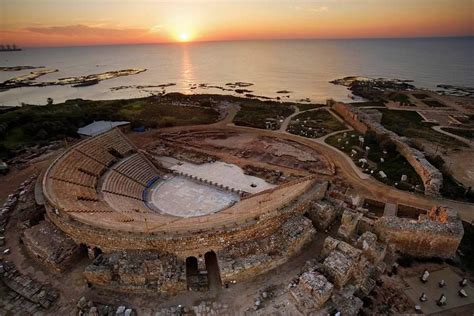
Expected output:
{"points": [[349, 221], [339, 267]]}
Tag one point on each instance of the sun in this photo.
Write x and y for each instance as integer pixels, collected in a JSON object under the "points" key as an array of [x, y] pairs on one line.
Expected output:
{"points": [[183, 37]]}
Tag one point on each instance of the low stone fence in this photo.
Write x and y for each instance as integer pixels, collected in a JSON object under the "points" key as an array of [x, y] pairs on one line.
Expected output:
{"points": [[209, 182]]}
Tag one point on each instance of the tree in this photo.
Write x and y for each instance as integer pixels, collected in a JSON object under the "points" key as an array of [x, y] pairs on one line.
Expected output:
{"points": [[49, 101]]}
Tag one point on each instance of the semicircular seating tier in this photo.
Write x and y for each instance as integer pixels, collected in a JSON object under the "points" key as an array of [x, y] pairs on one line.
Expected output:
{"points": [[102, 181]]}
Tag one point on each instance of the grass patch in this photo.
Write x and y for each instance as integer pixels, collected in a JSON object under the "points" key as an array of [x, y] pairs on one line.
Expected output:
{"points": [[420, 96], [467, 259], [434, 104], [314, 124], [31, 125], [394, 164], [368, 103], [409, 124], [255, 114], [402, 98], [451, 189], [466, 133], [305, 107]]}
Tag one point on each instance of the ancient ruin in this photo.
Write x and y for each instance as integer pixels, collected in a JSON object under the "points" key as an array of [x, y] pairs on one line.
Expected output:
{"points": [[362, 122]]}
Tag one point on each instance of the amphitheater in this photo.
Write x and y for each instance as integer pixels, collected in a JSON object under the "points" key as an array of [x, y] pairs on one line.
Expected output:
{"points": [[111, 197]]}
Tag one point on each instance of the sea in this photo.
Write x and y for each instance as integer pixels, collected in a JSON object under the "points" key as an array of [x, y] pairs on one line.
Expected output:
{"points": [[303, 67]]}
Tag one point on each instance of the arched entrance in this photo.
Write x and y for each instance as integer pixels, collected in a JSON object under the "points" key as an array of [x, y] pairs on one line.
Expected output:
{"points": [[213, 273], [192, 273]]}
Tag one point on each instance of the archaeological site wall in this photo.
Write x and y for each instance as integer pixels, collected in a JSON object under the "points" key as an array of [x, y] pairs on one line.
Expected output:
{"points": [[435, 234], [249, 258], [182, 243], [432, 177], [50, 246]]}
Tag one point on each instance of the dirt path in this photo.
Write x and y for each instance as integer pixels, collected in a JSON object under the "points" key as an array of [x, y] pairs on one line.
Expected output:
{"points": [[286, 122]]}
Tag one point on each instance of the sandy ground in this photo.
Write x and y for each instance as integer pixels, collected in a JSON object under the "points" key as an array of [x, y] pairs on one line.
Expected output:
{"points": [[459, 162]]}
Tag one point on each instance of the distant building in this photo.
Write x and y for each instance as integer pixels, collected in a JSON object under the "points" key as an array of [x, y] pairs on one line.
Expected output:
{"points": [[99, 127]]}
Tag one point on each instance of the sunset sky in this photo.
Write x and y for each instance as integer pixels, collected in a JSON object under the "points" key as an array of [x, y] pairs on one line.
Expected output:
{"points": [[91, 22]]}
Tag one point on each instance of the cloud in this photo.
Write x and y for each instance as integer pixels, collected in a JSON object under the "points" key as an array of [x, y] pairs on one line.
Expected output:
{"points": [[156, 28], [80, 30], [319, 9]]}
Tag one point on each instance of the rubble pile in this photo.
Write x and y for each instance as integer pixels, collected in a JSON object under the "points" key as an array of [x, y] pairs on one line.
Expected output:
{"points": [[346, 303], [322, 214], [349, 221], [371, 248], [36, 292], [90, 308], [13, 303], [10, 204]]}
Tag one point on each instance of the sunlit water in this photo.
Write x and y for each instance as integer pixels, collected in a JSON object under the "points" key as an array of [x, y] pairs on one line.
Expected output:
{"points": [[304, 67]]}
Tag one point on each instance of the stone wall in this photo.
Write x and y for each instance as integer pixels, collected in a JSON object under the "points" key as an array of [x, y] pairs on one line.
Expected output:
{"points": [[182, 244], [138, 271], [249, 258], [432, 177], [429, 236], [353, 118], [48, 244]]}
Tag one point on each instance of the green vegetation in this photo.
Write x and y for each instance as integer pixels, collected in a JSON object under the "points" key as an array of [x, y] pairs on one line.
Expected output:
{"points": [[31, 125], [394, 165], [409, 124], [255, 113], [466, 133], [451, 189], [467, 257], [434, 103], [421, 96], [305, 107], [400, 97], [368, 103], [314, 124]]}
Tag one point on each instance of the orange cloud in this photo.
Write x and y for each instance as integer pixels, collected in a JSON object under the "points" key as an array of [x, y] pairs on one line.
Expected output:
{"points": [[79, 35]]}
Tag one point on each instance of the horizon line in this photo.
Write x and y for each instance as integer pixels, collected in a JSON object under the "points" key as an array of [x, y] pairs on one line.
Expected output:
{"points": [[251, 40]]}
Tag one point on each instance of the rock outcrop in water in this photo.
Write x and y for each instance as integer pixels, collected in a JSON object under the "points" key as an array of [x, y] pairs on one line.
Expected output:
{"points": [[28, 80], [18, 68]]}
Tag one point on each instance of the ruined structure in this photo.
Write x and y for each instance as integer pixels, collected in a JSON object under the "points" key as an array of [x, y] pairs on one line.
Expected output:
{"points": [[432, 177], [51, 246], [437, 233], [322, 214], [349, 222], [345, 273], [134, 271], [97, 194], [312, 291]]}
